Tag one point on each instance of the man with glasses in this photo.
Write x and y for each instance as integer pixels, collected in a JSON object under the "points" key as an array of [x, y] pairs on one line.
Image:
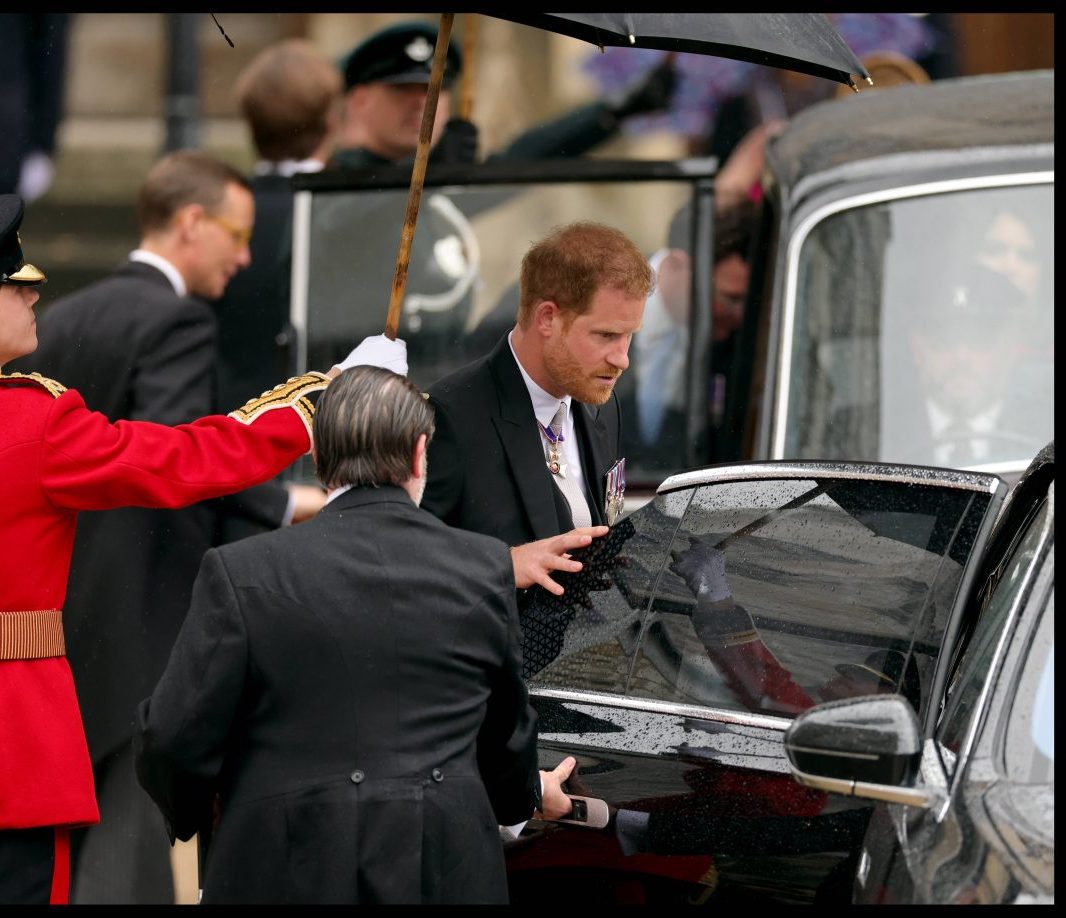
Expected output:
{"points": [[140, 344]]}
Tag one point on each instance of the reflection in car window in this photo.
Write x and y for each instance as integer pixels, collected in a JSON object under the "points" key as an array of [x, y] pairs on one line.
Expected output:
{"points": [[781, 594], [586, 639], [974, 667], [924, 331]]}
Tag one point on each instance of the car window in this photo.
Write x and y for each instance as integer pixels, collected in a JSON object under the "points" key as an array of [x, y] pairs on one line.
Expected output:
{"points": [[586, 639], [780, 594], [923, 331], [966, 688]]}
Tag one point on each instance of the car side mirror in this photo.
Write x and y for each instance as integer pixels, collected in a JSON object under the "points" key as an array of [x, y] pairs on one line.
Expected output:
{"points": [[868, 747]]}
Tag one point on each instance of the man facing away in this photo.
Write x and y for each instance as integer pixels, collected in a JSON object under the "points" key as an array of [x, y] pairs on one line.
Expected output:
{"points": [[288, 95], [527, 435], [350, 688]]}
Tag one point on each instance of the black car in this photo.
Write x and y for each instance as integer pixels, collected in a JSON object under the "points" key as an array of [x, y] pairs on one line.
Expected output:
{"points": [[967, 793], [709, 619]]}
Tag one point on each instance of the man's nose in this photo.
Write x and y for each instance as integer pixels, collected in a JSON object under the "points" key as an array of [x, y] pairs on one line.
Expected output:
{"points": [[618, 356], [244, 255]]}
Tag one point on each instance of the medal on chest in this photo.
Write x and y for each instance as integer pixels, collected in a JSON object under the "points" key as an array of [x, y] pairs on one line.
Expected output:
{"points": [[555, 460]]}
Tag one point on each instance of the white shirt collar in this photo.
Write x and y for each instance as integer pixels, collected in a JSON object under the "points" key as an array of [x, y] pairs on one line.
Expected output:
{"points": [[544, 403], [337, 492], [171, 273], [287, 167]]}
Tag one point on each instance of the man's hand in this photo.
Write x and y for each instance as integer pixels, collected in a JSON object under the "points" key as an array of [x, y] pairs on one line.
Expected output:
{"points": [[376, 351], [554, 802], [307, 501], [457, 143], [535, 561], [702, 567]]}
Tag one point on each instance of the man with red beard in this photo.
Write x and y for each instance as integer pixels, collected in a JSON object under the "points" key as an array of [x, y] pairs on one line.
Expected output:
{"points": [[527, 435]]}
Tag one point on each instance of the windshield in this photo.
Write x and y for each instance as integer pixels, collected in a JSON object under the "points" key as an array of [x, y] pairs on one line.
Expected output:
{"points": [[924, 331]]}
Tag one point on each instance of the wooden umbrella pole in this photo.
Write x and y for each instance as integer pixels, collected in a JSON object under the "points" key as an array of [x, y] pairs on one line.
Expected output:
{"points": [[466, 99], [418, 177]]}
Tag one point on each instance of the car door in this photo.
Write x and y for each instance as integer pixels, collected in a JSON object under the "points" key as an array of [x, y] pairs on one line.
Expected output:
{"points": [[700, 627], [972, 846]]}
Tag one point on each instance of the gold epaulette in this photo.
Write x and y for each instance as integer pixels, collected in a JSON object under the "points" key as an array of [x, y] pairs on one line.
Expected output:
{"points": [[49, 385], [292, 394]]}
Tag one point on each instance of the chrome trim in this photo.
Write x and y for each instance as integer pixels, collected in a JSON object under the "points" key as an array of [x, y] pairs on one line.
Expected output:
{"points": [[839, 753], [300, 278], [765, 721], [799, 236], [907, 796], [905, 474]]}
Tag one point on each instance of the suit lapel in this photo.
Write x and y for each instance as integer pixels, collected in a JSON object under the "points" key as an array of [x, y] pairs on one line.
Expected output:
{"points": [[592, 438], [517, 430]]}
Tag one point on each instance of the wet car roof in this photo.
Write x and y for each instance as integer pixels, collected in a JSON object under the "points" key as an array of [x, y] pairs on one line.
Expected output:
{"points": [[989, 116]]}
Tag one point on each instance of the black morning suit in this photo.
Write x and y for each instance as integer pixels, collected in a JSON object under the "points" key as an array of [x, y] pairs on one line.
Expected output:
{"points": [[351, 689], [135, 350], [253, 314], [254, 343], [486, 461]]}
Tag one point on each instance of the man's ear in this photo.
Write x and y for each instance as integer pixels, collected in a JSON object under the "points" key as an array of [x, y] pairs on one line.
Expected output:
{"points": [[187, 219], [418, 458], [546, 316]]}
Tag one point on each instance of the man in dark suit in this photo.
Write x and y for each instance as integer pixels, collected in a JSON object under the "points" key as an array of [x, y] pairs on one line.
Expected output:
{"points": [[288, 95], [351, 688], [526, 436], [140, 345]]}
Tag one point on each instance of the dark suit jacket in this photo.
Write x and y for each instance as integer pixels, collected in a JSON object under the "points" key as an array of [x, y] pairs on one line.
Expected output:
{"points": [[134, 350], [486, 460], [255, 339], [253, 314], [351, 688]]}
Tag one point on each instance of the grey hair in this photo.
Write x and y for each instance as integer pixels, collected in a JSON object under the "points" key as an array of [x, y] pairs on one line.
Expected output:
{"points": [[366, 426]]}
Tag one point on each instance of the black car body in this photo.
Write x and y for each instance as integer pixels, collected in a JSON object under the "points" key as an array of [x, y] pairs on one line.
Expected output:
{"points": [[968, 811], [843, 579]]}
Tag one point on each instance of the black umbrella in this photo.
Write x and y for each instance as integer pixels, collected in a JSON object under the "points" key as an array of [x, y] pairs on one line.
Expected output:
{"points": [[805, 42]]}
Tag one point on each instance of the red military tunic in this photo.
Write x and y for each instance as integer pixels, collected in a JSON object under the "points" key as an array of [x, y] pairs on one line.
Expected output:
{"points": [[56, 458]]}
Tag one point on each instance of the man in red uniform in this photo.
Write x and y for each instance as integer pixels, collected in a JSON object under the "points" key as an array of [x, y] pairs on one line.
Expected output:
{"points": [[57, 458]]}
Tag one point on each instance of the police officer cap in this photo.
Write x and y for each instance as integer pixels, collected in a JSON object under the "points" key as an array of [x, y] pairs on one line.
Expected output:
{"points": [[400, 53], [13, 267]]}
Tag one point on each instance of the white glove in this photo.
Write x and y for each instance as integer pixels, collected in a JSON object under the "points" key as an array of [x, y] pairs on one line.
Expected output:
{"points": [[378, 351], [35, 177], [702, 567]]}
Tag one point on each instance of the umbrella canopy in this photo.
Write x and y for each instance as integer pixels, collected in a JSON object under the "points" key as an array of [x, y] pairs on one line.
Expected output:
{"points": [[804, 42], [705, 82]]}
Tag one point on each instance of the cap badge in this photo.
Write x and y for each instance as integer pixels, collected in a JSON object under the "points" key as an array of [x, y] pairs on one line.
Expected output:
{"points": [[419, 50]]}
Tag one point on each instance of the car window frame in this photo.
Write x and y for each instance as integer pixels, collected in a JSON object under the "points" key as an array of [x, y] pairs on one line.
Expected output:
{"points": [[777, 395]]}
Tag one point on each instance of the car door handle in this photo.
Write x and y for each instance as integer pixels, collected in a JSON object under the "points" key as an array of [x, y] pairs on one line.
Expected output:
{"points": [[590, 812]]}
